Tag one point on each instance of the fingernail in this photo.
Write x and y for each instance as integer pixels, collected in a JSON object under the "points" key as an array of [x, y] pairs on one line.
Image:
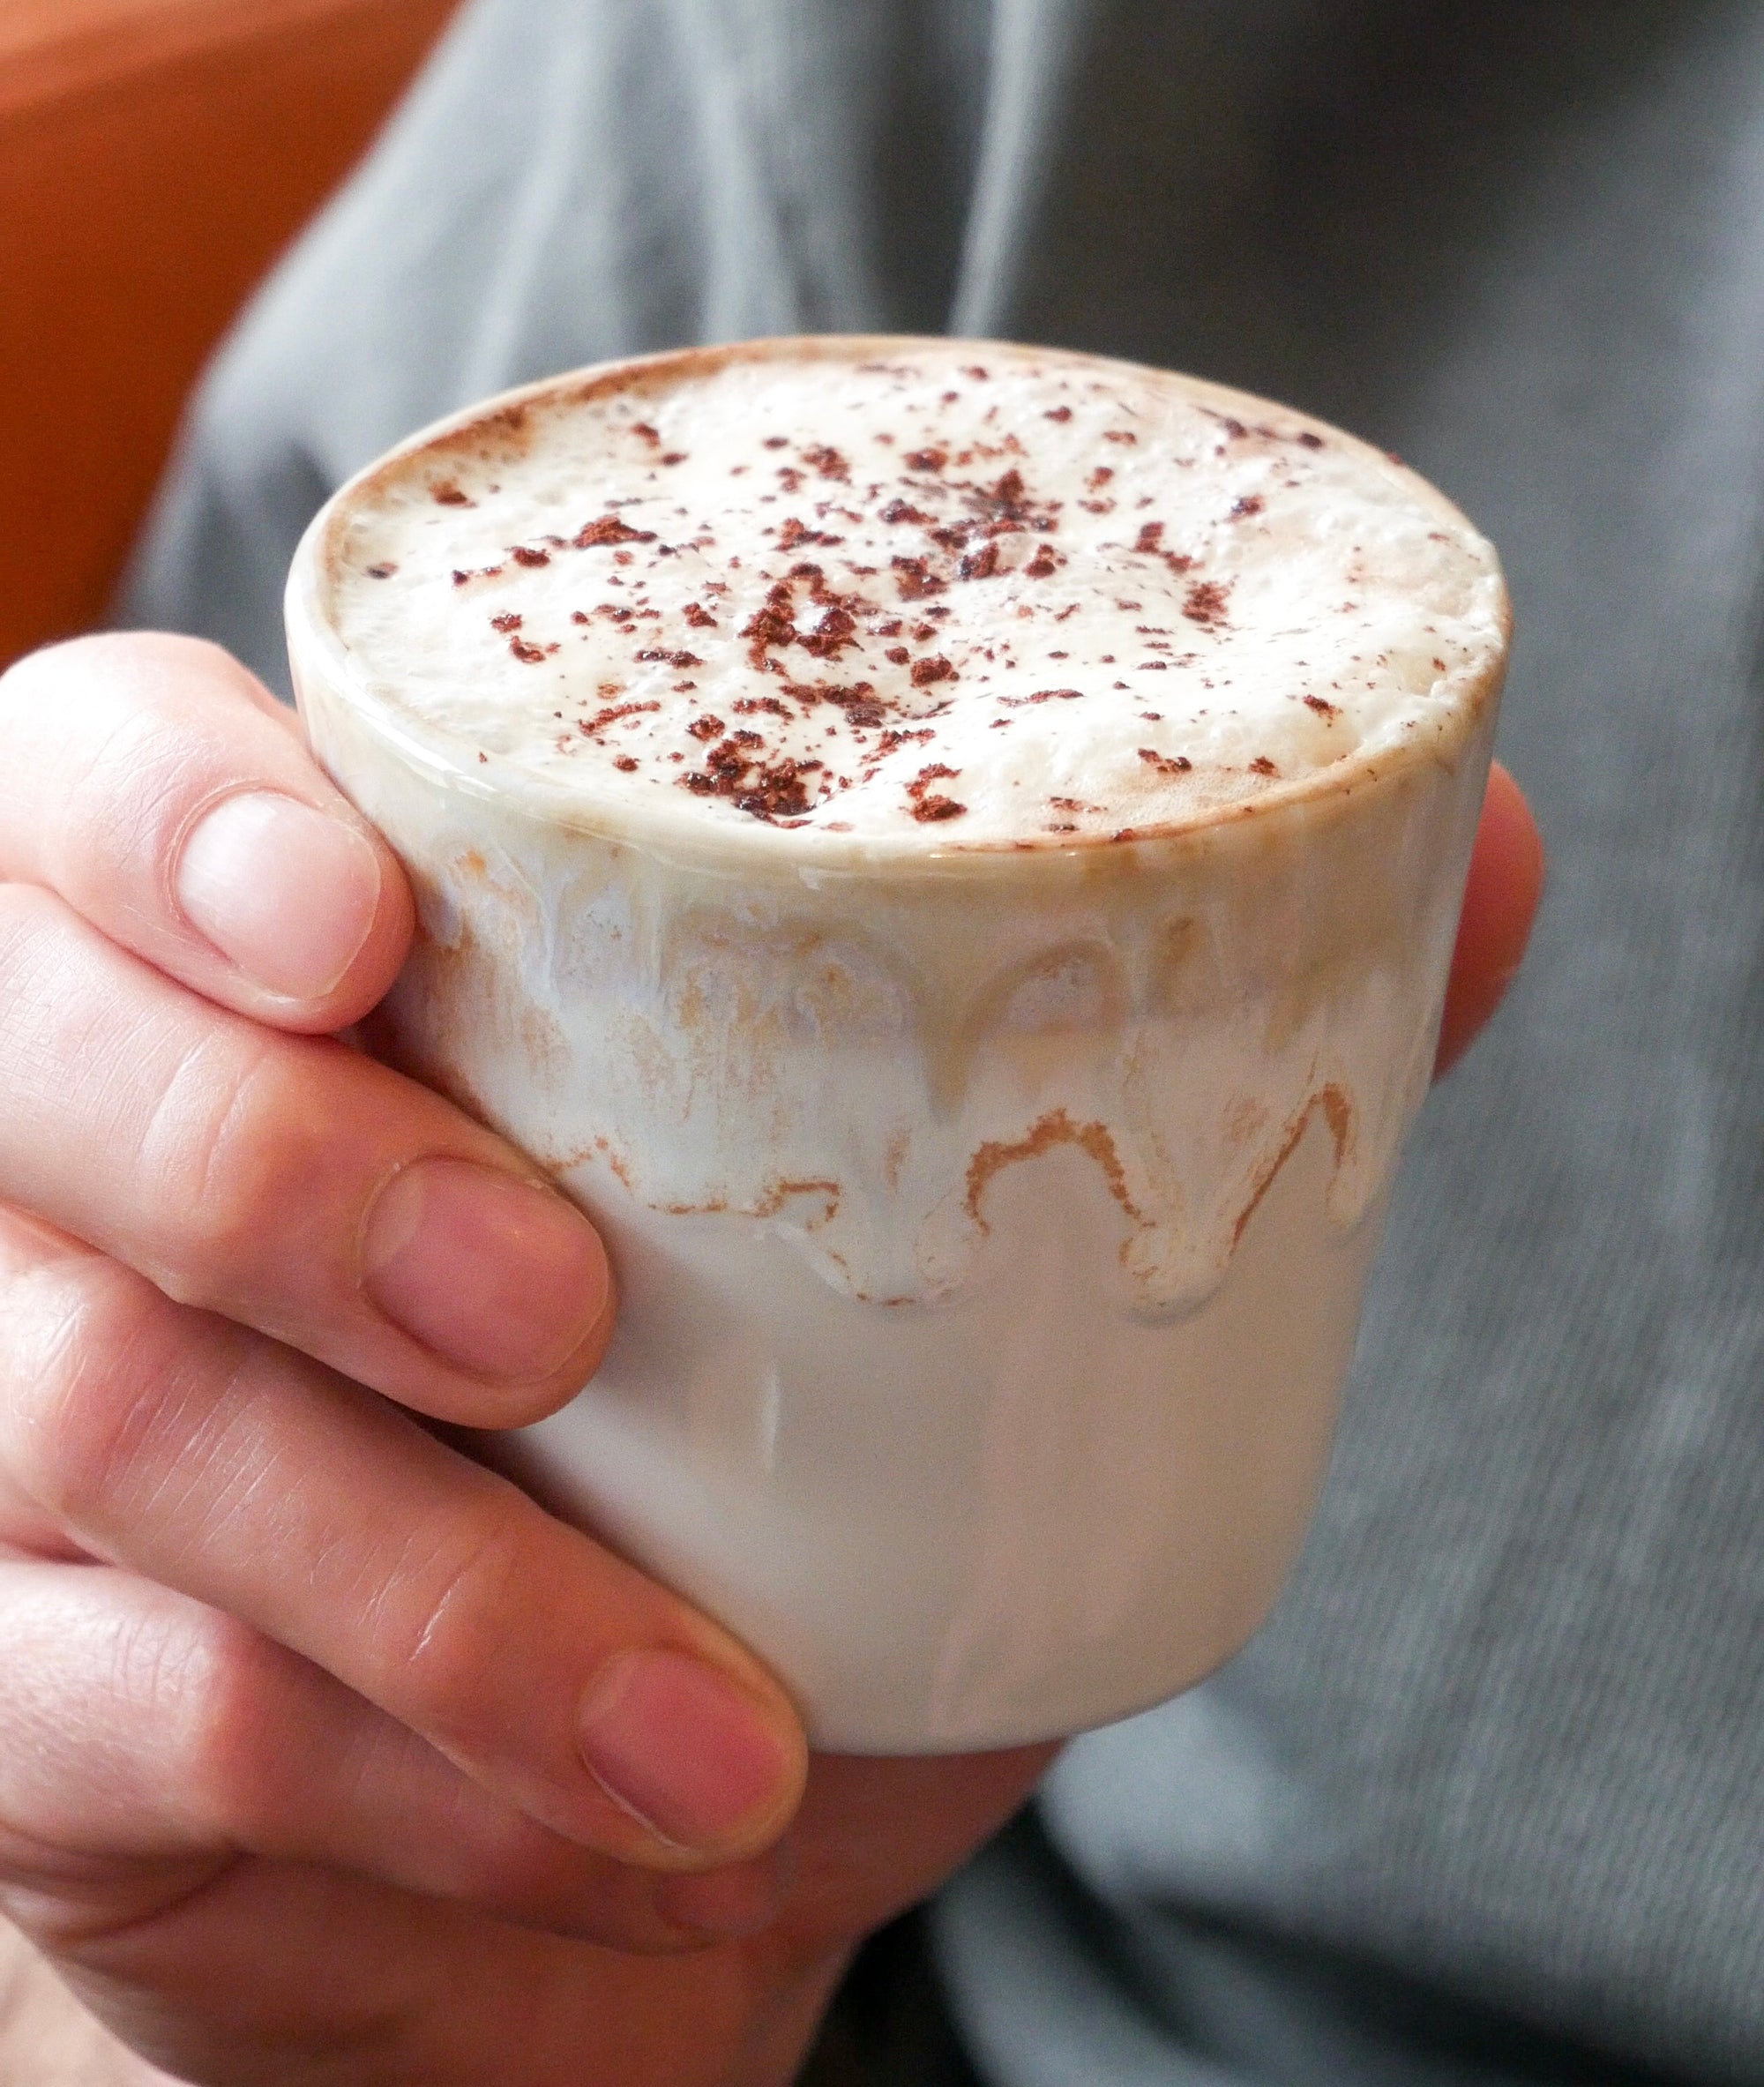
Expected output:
{"points": [[287, 892], [493, 1274], [684, 1751]]}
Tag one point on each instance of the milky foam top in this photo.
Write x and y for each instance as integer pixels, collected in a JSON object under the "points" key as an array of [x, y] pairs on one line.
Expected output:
{"points": [[925, 596]]}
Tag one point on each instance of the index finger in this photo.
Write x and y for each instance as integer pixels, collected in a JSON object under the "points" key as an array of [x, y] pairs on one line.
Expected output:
{"points": [[166, 796]]}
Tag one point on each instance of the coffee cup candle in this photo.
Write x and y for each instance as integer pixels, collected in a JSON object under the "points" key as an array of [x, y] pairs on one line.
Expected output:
{"points": [[950, 852]]}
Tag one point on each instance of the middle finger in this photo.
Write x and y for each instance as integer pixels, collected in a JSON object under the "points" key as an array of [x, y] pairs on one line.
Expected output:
{"points": [[237, 1472]]}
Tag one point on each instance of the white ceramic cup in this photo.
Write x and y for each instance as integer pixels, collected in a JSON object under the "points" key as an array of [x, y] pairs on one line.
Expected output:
{"points": [[989, 1394]]}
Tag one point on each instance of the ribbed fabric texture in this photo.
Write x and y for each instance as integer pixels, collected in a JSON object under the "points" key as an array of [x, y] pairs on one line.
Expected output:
{"points": [[1502, 1744]]}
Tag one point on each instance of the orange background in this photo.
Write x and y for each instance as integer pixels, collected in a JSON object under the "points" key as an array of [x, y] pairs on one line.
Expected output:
{"points": [[154, 157]]}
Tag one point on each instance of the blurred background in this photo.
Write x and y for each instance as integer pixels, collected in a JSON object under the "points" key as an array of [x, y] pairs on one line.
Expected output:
{"points": [[155, 157]]}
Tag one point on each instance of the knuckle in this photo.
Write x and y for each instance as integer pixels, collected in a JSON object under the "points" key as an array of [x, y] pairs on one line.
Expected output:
{"points": [[237, 1140], [116, 771], [210, 1692], [225, 1686], [29, 916], [445, 1618], [90, 1357]]}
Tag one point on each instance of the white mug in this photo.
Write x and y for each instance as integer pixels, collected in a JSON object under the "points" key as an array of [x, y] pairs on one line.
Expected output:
{"points": [[990, 1228]]}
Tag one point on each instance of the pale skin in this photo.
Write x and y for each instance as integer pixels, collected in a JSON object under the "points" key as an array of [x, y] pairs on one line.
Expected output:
{"points": [[325, 1757]]}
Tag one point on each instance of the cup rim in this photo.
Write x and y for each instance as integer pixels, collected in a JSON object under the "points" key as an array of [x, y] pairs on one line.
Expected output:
{"points": [[316, 649]]}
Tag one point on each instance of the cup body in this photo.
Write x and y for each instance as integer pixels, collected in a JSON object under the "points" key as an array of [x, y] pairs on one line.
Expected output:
{"points": [[991, 1228]]}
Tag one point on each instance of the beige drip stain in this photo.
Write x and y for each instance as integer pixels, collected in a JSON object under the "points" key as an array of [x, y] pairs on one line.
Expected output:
{"points": [[459, 982], [1087, 975], [1094, 1140], [894, 1158], [1337, 1113], [769, 1202], [617, 1165]]}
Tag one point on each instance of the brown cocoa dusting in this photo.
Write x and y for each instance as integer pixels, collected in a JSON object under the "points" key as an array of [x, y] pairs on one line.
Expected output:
{"points": [[698, 617], [446, 494], [381, 571], [836, 630], [1205, 602], [1263, 765], [764, 791], [1321, 706], [927, 804], [915, 580], [609, 529], [772, 627], [1166, 764], [935, 668], [927, 460], [508, 621], [526, 554], [794, 532], [857, 699], [588, 727], [1059, 413]]}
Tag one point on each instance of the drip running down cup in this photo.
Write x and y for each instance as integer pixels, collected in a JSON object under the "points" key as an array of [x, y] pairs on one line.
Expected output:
{"points": [[950, 852]]}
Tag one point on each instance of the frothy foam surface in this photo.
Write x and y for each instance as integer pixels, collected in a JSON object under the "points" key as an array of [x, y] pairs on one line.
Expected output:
{"points": [[927, 601]]}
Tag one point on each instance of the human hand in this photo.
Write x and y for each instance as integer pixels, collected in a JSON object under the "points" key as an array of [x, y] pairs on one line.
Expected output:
{"points": [[292, 1774]]}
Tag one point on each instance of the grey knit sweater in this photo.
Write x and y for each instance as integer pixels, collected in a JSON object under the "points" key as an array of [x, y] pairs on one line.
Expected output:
{"points": [[1485, 1801]]}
